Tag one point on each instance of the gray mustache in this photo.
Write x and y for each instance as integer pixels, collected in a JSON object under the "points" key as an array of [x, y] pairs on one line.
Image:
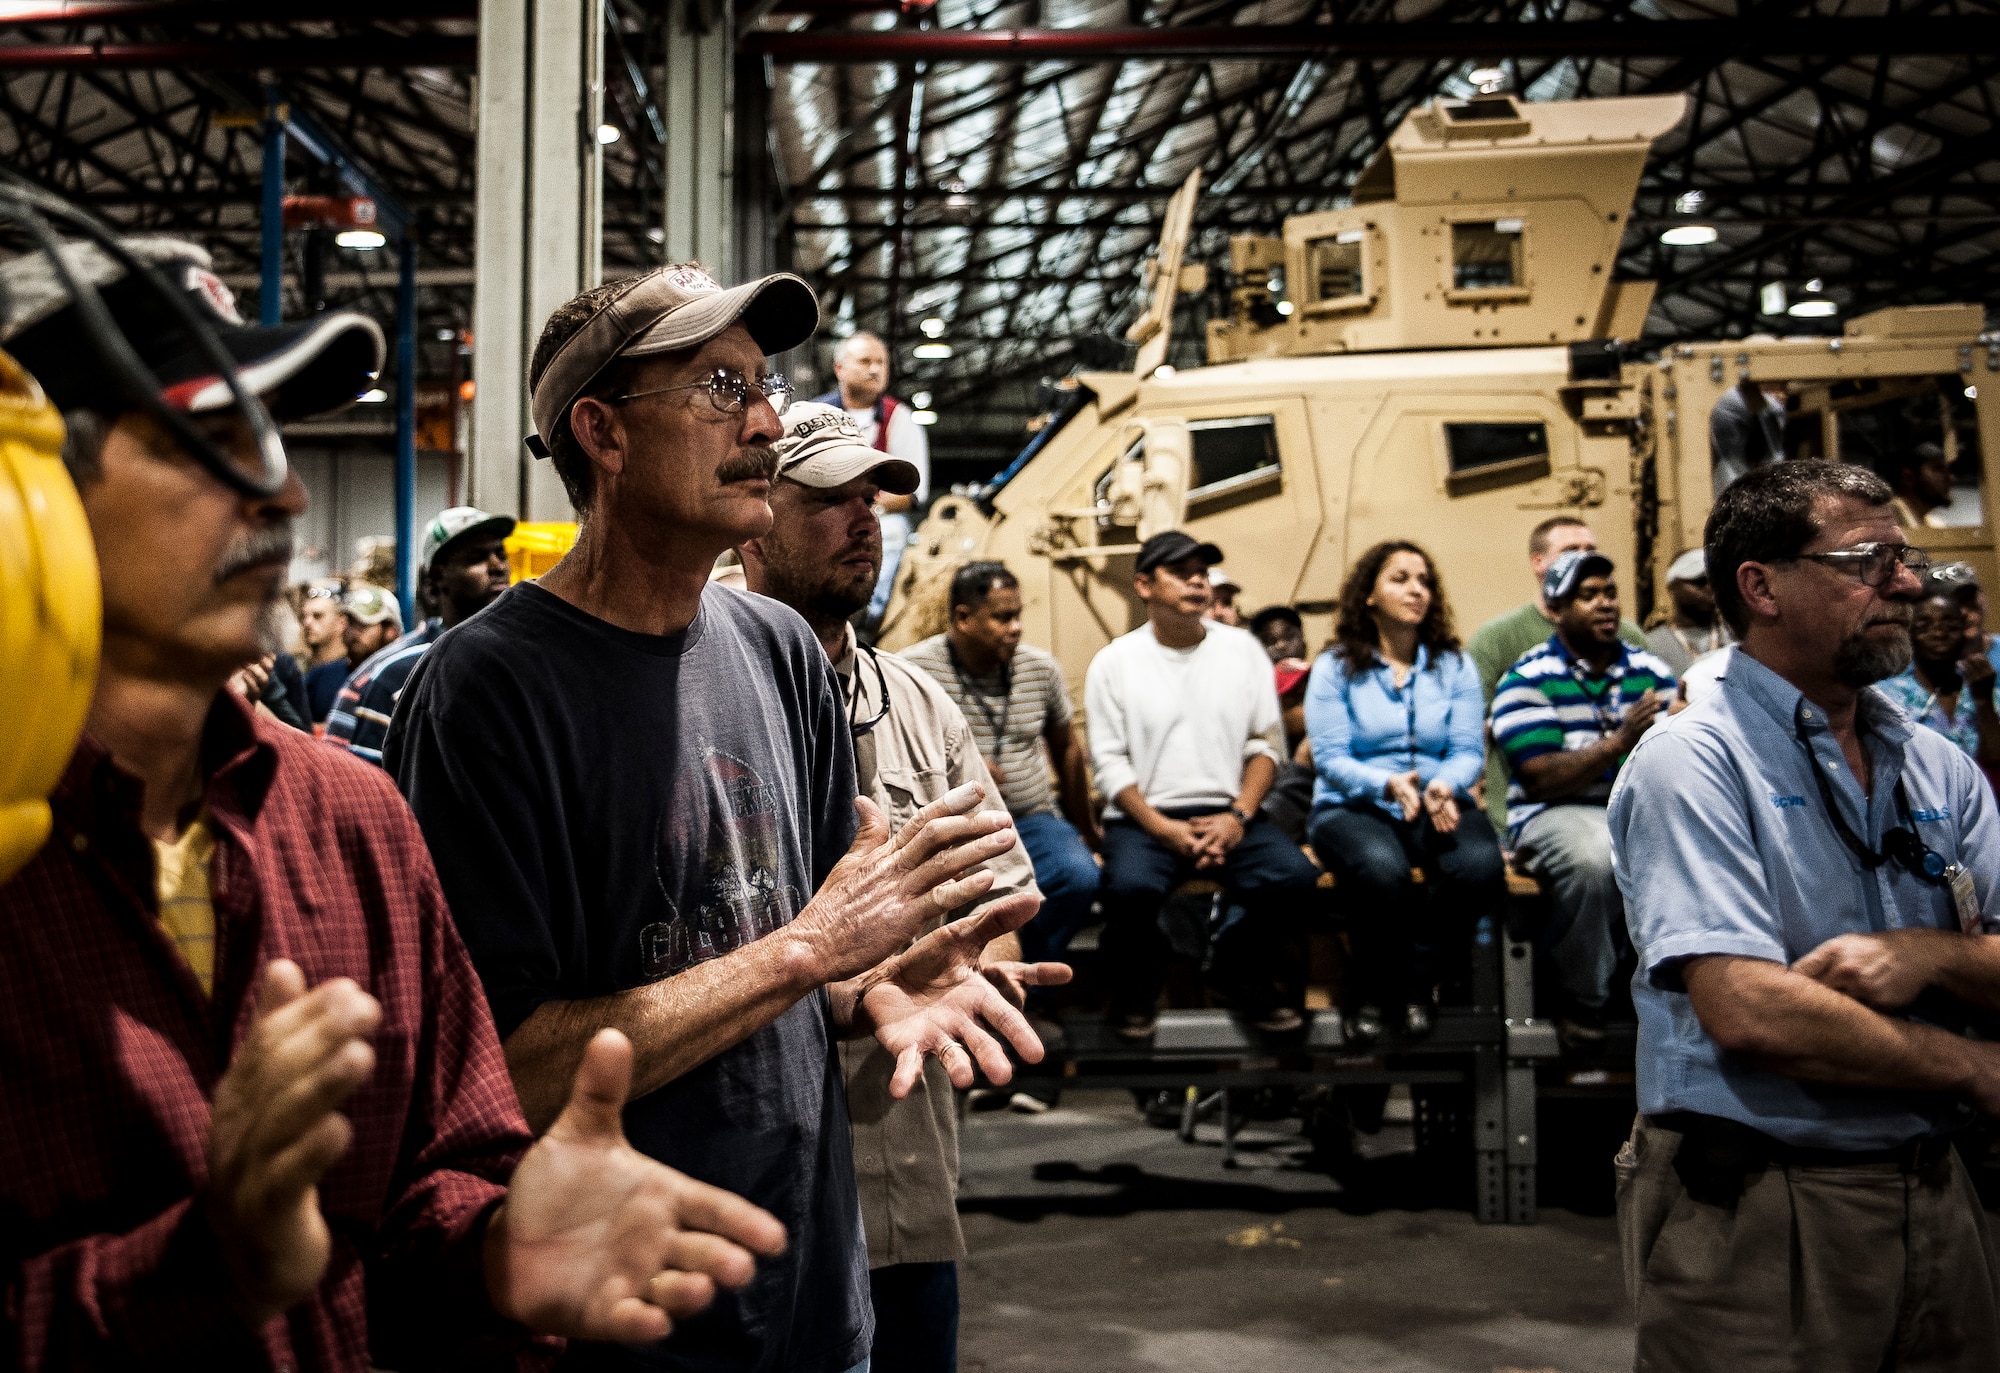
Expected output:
{"points": [[751, 462], [269, 545]]}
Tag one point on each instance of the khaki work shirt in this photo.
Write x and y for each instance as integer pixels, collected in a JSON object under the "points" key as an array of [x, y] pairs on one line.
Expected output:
{"points": [[906, 1152]]}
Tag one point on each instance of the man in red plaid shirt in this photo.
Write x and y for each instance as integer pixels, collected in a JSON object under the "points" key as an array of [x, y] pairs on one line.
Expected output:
{"points": [[254, 1113]]}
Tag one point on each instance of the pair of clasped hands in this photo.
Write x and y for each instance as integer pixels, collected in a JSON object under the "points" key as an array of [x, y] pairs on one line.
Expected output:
{"points": [[595, 1240]]}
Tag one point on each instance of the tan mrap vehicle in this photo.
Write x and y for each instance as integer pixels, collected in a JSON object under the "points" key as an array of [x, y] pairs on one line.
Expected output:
{"points": [[1439, 362]]}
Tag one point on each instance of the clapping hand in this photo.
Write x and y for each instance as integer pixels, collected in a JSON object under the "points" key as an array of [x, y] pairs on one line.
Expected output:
{"points": [[932, 999], [1405, 791], [598, 1242], [1441, 806]]}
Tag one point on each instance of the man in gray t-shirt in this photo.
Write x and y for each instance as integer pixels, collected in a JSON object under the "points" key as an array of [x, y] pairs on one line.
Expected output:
{"points": [[1016, 701]]}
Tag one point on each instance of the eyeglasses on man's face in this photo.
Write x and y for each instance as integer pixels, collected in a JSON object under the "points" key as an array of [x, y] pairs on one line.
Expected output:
{"points": [[728, 390], [1874, 563]]}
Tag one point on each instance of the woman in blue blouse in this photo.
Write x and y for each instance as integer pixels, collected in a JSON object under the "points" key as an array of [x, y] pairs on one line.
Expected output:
{"points": [[1396, 721]]}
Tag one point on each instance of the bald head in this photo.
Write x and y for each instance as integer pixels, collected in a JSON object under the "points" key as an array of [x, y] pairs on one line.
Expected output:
{"points": [[861, 365]]}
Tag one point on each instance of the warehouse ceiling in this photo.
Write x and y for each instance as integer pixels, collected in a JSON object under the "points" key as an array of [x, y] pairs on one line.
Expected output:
{"points": [[1016, 200]]}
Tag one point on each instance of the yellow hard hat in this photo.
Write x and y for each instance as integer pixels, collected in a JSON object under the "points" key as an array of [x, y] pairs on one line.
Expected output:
{"points": [[50, 614]]}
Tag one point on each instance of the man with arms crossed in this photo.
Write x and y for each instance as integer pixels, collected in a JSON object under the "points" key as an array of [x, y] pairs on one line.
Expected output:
{"points": [[911, 746], [1811, 880], [254, 1113], [634, 781]]}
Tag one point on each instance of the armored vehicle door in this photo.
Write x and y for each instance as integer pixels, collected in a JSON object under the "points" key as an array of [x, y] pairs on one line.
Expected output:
{"points": [[1466, 468]]}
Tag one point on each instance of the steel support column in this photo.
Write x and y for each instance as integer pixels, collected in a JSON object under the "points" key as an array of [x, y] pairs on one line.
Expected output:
{"points": [[697, 99], [406, 427], [538, 226]]}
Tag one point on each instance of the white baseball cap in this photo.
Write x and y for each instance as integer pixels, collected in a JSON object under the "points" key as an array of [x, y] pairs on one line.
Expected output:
{"points": [[460, 522], [1691, 566], [823, 447]]}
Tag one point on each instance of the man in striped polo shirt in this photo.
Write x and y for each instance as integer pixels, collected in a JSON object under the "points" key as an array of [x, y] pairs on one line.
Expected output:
{"points": [[1564, 717]]}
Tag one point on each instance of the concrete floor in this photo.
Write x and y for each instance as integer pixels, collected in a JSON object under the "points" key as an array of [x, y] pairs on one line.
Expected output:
{"points": [[1099, 1244]]}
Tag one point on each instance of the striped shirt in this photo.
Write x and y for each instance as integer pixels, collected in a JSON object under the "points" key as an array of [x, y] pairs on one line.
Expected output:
{"points": [[1551, 702], [359, 720], [1025, 699]]}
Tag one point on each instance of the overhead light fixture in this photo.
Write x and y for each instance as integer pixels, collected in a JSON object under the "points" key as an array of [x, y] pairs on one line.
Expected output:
{"points": [[1689, 202], [931, 352], [924, 417], [921, 400], [1771, 298], [1972, 393], [363, 239], [373, 396], [1815, 286], [1284, 307], [932, 327], [1689, 235], [1163, 371], [656, 235], [447, 335], [607, 134], [1488, 79], [1814, 308]]}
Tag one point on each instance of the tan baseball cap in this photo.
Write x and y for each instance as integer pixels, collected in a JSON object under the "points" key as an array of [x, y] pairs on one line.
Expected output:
{"points": [[823, 447], [665, 311]]}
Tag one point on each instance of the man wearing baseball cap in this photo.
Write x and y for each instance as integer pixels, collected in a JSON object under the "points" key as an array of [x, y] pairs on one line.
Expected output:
{"points": [[254, 1111], [1692, 626], [912, 745], [1186, 738], [639, 788], [1564, 718], [461, 569]]}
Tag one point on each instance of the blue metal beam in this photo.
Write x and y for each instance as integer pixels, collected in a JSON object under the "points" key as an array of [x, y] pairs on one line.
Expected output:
{"points": [[406, 428], [271, 262]]}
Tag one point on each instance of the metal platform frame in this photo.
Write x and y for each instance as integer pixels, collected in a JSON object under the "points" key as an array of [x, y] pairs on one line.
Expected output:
{"points": [[1492, 1045]]}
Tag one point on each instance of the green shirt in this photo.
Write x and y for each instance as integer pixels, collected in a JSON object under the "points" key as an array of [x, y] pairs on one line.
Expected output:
{"points": [[1494, 649]]}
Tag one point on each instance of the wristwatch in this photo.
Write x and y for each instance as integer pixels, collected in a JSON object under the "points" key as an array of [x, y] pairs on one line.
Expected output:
{"points": [[1242, 816]]}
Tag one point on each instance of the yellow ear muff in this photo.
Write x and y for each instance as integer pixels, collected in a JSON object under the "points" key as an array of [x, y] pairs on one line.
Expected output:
{"points": [[51, 615]]}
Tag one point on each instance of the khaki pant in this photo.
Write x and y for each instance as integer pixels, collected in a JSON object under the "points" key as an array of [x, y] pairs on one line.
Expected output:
{"points": [[1856, 1269]]}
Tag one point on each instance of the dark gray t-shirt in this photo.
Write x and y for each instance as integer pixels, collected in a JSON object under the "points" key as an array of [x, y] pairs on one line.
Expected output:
{"points": [[607, 809]]}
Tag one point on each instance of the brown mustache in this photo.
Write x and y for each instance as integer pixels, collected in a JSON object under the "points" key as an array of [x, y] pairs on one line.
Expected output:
{"points": [[752, 464]]}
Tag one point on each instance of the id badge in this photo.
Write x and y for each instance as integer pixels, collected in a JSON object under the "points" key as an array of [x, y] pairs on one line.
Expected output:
{"points": [[1965, 899]]}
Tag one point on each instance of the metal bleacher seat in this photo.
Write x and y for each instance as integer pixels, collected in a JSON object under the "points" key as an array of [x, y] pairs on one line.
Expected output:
{"points": [[1490, 1046]]}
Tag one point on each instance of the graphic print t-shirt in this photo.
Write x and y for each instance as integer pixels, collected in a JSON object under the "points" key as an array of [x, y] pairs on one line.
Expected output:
{"points": [[607, 809]]}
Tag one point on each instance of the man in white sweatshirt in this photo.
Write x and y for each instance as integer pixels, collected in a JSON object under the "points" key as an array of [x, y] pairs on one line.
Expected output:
{"points": [[1185, 738]]}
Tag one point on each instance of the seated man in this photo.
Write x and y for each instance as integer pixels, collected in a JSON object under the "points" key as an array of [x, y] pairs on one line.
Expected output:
{"points": [[1565, 716], [1186, 739], [1017, 704], [254, 1111]]}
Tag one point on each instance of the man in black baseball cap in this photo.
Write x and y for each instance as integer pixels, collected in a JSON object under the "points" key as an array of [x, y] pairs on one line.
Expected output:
{"points": [[1171, 547]]}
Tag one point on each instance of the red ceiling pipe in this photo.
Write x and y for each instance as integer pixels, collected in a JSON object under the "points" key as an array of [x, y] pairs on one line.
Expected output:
{"points": [[284, 54], [1829, 37], [230, 11]]}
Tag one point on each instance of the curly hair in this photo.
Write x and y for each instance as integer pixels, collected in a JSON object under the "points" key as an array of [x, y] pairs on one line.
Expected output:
{"points": [[1355, 638]]}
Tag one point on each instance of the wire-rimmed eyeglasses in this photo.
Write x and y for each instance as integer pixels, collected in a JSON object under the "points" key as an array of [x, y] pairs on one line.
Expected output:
{"points": [[1874, 563], [729, 390]]}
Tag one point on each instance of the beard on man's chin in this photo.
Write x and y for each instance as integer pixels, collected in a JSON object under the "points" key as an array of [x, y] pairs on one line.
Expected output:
{"points": [[1863, 660]]}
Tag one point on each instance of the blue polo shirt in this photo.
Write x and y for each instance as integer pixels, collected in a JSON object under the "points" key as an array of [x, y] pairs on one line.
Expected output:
{"points": [[1721, 845]]}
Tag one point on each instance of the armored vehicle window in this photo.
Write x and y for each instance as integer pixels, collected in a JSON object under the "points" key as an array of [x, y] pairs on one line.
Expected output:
{"points": [[1334, 265], [1914, 432], [1484, 456], [1232, 453], [1486, 255], [1473, 111]]}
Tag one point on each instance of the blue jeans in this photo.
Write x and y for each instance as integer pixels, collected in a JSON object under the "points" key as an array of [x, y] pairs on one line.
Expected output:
{"points": [[1396, 929], [916, 1318], [1066, 872], [1269, 880]]}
